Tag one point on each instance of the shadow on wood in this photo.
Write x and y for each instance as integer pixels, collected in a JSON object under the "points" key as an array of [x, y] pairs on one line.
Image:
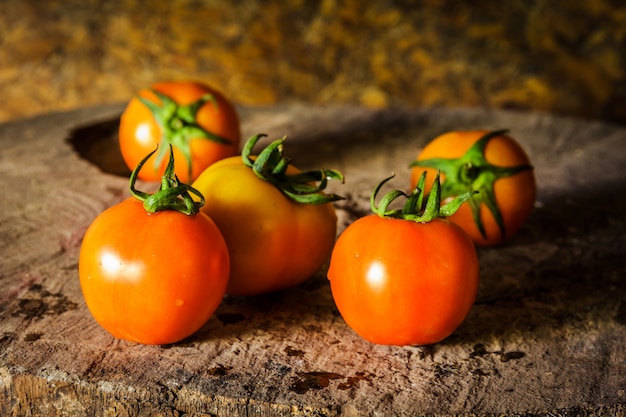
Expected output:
{"points": [[98, 144]]}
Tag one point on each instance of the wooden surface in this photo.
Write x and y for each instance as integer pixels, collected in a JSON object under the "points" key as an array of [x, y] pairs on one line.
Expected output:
{"points": [[547, 336]]}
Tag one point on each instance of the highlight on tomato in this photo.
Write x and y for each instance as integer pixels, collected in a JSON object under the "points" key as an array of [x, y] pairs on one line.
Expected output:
{"points": [[200, 123], [405, 276], [491, 162], [278, 223], [153, 268]]}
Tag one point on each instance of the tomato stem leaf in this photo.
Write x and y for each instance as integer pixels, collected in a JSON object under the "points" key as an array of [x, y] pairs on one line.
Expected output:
{"points": [[271, 165], [173, 195], [415, 209], [178, 124]]}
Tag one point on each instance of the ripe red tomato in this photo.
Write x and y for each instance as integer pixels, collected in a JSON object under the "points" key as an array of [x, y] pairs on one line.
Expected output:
{"points": [[152, 278], [399, 279], [277, 238], [199, 121], [492, 163]]}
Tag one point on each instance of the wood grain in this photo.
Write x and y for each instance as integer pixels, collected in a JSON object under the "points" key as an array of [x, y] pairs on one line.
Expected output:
{"points": [[547, 335]]}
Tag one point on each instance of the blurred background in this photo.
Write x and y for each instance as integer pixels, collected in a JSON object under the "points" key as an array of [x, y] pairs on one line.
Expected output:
{"points": [[559, 56]]}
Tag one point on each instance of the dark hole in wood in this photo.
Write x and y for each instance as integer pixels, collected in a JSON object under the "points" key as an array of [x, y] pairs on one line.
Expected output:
{"points": [[98, 144], [306, 381]]}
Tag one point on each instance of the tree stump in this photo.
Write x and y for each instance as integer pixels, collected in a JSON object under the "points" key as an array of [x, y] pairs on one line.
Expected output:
{"points": [[546, 336]]}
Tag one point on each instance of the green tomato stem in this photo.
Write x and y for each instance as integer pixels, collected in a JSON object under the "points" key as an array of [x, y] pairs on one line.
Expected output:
{"points": [[271, 165], [415, 209], [173, 195], [178, 124]]}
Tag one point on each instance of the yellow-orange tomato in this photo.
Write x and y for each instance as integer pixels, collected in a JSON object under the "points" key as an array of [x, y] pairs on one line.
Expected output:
{"points": [[199, 121], [492, 163], [274, 242]]}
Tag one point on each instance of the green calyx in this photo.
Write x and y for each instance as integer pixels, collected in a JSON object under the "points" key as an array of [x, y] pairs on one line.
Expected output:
{"points": [[415, 208], [271, 166], [178, 124], [472, 171], [173, 195]]}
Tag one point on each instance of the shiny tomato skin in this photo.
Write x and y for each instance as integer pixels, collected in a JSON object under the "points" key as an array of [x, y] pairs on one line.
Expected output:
{"points": [[274, 243], [139, 133], [400, 282], [152, 278], [515, 195]]}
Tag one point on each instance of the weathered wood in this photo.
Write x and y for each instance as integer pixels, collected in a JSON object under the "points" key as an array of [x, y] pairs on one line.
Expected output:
{"points": [[547, 335]]}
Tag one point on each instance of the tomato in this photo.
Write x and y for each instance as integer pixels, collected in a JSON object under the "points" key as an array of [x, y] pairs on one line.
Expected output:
{"points": [[279, 228], [492, 163], [199, 121], [153, 277], [403, 279]]}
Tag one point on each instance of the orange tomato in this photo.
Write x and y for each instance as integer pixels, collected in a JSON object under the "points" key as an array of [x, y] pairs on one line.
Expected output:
{"points": [[399, 278], [152, 278], [399, 282], [199, 121], [152, 268], [492, 163]]}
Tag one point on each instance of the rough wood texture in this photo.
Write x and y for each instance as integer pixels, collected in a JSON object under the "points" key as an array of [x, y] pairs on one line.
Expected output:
{"points": [[547, 335]]}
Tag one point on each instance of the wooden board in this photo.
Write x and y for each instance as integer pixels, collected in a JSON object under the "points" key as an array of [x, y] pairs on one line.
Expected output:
{"points": [[547, 335]]}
